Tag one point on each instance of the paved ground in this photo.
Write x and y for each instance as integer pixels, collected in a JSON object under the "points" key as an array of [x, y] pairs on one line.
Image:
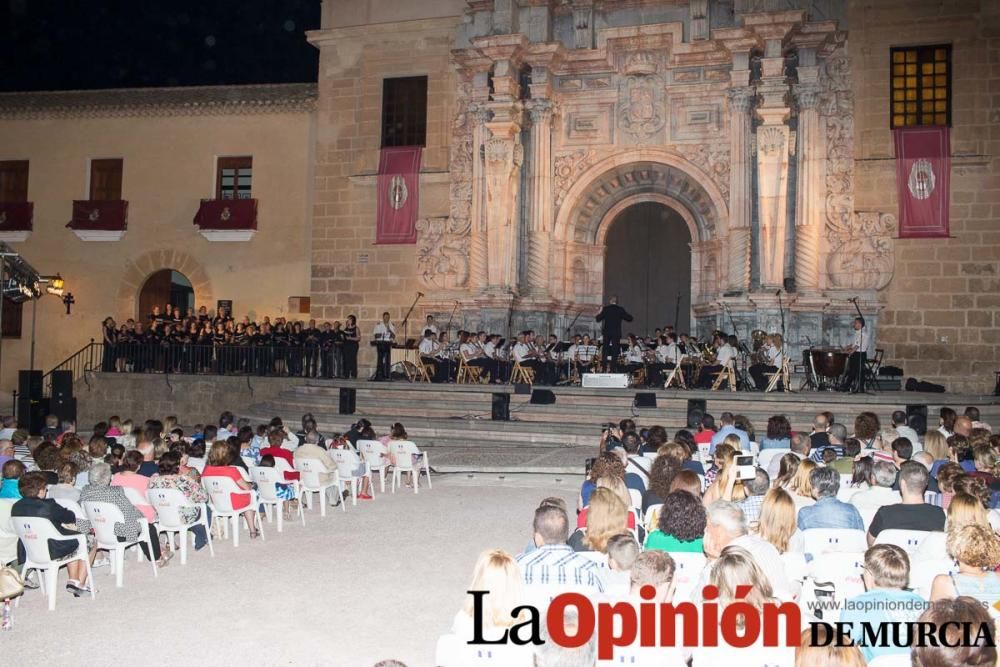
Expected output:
{"points": [[382, 581]]}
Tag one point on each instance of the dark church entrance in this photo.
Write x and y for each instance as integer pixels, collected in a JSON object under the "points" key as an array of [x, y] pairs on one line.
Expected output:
{"points": [[648, 265]]}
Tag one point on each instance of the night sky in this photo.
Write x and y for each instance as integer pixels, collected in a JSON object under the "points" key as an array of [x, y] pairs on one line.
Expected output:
{"points": [[67, 45]]}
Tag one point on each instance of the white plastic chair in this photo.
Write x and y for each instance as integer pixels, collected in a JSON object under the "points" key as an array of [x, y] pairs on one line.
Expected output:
{"points": [[922, 573], [767, 455], [867, 515], [818, 541], [402, 451], [72, 506], [842, 571], [266, 479], [347, 462], [703, 453], [103, 517], [310, 470], [686, 574], [220, 500], [376, 455], [651, 517], [907, 540], [136, 498], [35, 534], [453, 651], [636, 497], [168, 504]]}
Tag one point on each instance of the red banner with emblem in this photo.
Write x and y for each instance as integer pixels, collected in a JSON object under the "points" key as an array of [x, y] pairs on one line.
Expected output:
{"points": [[99, 215], [398, 190], [923, 171]]}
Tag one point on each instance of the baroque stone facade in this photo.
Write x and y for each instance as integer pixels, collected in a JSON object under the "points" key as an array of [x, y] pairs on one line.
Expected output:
{"points": [[551, 118]]}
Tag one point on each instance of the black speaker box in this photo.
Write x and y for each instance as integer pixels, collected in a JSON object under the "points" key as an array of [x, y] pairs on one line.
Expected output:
{"points": [[62, 384], [501, 407], [542, 397], [29, 384], [522, 389], [917, 411], [348, 400], [31, 414], [645, 399], [63, 408], [699, 404]]}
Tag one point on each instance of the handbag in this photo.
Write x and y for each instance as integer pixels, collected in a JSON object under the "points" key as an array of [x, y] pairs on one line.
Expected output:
{"points": [[11, 583]]}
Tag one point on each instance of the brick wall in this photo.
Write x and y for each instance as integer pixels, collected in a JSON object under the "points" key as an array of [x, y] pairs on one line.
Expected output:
{"points": [[942, 309], [353, 63]]}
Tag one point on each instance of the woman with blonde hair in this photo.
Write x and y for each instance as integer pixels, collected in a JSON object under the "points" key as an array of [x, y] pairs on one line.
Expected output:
{"points": [[777, 519], [725, 461], [826, 653], [977, 550], [964, 510], [936, 445], [495, 572], [606, 516], [617, 486], [801, 488]]}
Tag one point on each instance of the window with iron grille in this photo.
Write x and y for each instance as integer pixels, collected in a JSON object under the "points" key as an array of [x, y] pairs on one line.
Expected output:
{"points": [[920, 85], [404, 111], [234, 177]]}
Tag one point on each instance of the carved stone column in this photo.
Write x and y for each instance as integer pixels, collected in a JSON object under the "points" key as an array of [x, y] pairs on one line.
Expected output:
{"points": [[809, 201], [478, 278], [504, 156], [741, 100], [772, 166], [540, 198]]}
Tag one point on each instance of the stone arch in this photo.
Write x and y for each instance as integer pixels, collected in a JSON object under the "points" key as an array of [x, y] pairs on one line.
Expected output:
{"points": [[646, 170], [137, 270], [630, 177]]}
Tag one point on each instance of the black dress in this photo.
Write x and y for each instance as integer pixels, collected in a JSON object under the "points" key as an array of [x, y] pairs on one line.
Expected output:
{"points": [[350, 369]]}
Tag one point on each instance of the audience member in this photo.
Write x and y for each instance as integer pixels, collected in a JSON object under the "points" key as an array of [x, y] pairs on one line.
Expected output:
{"points": [[12, 472], [953, 617], [779, 432], [725, 526], [553, 564], [606, 516], [777, 523], [901, 423], [219, 458], [728, 427], [622, 551], [755, 489], [497, 574], [130, 478], [976, 549], [828, 512], [912, 513], [879, 492], [170, 477], [680, 526]]}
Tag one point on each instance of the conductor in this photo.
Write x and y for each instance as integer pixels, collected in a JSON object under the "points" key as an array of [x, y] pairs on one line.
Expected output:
{"points": [[611, 317]]}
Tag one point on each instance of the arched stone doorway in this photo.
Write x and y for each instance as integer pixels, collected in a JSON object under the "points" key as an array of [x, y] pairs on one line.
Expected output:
{"points": [[603, 191], [648, 266], [163, 287]]}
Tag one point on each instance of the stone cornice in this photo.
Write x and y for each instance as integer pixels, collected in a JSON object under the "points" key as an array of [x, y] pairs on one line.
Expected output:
{"points": [[153, 102], [443, 26]]}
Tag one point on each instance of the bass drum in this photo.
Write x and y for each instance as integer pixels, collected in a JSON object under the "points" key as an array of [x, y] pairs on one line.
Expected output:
{"points": [[828, 362]]}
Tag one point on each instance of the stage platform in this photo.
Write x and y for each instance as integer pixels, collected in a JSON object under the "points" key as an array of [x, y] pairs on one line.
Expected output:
{"points": [[454, 421]]}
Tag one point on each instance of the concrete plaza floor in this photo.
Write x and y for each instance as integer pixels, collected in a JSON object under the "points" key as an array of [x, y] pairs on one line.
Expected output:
{"points": [[382, 580]]}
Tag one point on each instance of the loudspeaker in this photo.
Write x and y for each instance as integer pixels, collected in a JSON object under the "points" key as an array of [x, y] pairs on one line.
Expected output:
{"points": [[919, 425], [696, 406], [542, 397], [645, 399], [31, 414], [62, 384], [64, 408], [522, 389], [501, 407], [29, 384], [348, 400], [789, 284]]}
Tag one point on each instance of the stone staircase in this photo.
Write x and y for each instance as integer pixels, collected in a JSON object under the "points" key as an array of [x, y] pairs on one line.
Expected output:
{"points": [[453, 421]]}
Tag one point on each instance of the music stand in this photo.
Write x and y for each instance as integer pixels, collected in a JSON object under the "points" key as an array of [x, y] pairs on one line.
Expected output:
{"points": [[561, 348]]}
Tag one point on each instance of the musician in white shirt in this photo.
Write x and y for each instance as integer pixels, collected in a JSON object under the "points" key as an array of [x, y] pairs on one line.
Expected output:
{"points": [[430, 351], [725, 354], [585, 354], [493, 349], [431, 325], [472, 352], [774, 355], [384, 334], [858, 349], [526, 354], [633, 354]]}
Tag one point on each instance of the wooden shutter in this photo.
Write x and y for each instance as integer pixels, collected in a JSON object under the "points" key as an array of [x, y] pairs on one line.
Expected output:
{"points": [[106, 179], [14, 181]]}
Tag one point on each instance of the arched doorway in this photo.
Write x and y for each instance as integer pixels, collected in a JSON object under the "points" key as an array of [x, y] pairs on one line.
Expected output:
{"points": [[648, 266], [163, 287]]}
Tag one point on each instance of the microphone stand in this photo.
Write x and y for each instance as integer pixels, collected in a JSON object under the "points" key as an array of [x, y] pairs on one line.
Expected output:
{"points": [[677, 312], [406, 318], [451, 317], [859, 387], [742, 382], [569, 329], [781, 309]]}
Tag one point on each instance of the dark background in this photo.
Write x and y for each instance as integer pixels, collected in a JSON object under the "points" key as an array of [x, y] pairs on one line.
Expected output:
{"points": [[80, 44]]}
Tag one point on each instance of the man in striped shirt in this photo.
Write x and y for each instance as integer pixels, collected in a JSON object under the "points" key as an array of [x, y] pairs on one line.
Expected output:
{"points": [[554, 564]]}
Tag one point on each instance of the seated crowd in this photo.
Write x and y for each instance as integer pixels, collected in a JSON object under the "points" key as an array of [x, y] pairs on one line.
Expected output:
{"points": [[852, 522], [59, 475]]}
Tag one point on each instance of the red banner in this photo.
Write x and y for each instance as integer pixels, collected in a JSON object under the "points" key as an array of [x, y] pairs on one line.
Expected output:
{"points": [[923, 171], [227, 214], [398, 190], [99, 215]]}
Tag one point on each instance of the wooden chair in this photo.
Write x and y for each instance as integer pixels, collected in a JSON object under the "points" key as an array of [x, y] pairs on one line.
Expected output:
{"points": [[728, 372], [420, 371], [468, 374], [676, 376], [522, 374], [782, 375]]}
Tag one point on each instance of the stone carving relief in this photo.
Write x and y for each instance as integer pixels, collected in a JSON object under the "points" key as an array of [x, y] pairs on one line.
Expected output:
{"points": [[443, 252], [836, 108], [713, 159], [861, 255], [504, 157], [568, 168], [641, 106]]}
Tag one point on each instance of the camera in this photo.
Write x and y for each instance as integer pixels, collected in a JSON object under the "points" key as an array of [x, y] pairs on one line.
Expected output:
{"points": [[745, 468]]}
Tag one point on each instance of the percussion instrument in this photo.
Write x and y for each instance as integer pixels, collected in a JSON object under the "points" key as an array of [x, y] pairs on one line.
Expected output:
{"points": [[827, 363]]}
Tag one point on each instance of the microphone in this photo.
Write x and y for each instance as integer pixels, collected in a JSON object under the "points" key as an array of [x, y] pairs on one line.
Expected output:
{"points": [[420, 293], [778, 293]]}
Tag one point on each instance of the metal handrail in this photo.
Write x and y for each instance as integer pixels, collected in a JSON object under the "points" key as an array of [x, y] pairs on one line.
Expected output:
{"points": [[79, 363]]}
